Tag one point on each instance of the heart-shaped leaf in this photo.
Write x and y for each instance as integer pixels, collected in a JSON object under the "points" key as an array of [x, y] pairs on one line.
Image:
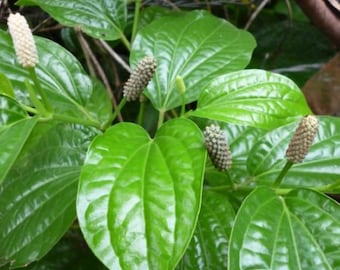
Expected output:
{"points": [[37, 198], [102, 19], [194, 45], [319, 168], [300, 231], [139, 198], [252, 97], [70, 91], [208, 248]]}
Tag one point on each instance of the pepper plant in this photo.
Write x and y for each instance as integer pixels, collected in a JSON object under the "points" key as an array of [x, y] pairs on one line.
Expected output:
{"points": [[149, 198]]}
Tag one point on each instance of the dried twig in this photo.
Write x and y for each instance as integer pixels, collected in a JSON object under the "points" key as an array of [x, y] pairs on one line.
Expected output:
{"points": [[114, 55], [255, 13], [100, 70]]}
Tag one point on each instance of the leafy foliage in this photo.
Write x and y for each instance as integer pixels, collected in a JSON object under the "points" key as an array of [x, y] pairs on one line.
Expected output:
{"points": [[191, 45], [254, 97], [291, 236], [319, 167], [215, 222], [151, 199], [102, 19], [38, 195]]}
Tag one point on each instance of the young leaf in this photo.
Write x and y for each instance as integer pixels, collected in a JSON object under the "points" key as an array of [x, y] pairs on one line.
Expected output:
{"points": [[252, 97], [208, 248], [10, 110], [139, 198], [69, 89], [194, 45], [320, 167], [6, 87], [12, 140], [300, 231], [37, 198], [102, 19]]}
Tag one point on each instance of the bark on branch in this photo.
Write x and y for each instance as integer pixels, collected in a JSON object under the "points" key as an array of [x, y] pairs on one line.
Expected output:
{"points": [[323, 18]]}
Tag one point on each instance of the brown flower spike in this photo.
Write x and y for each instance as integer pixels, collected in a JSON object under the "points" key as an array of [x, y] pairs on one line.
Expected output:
{"points": [[139, 78], [217, 147], [302, 139], [23, 41]]}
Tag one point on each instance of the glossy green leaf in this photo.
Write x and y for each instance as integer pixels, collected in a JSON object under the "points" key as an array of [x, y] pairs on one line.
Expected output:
{"points": [[6, 87], [37, 198], [102, 19], [139, 198], [318, 218], [69, 89], [252, 97], [195, 45], [12, 140], [152, 13], [240, 140], [208, 248], [300, 231], [320, 167], [10, 110]]}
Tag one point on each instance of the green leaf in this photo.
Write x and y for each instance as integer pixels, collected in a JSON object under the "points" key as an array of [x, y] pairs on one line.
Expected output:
{"points": [[139, 198], [318, 218], [102, 19], [69, 89], [252, 97], [320, 168], [194, 45], [152, 13], [6, 87], [37, 198], [240, 140], [10, 110], [12, 140], [300, 231], [209, 246]]}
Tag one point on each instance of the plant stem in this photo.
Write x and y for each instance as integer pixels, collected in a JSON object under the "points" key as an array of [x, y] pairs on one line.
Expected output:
{"points": [[160, 118], [183, 106], [36, 102], [117, 110], [329, 188], [75, 120], [220, 188], [141, 110], [282, 173], [135, 20], [125, 41], [29, 109], [41, 92], [180, 85]]}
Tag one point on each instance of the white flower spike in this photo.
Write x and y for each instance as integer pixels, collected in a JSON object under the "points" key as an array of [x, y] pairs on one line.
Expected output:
{"points": [[23, 41]]}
